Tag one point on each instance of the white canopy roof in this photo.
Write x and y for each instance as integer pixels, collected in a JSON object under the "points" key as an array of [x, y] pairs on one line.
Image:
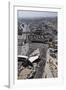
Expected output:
{"points": [[31, 59], [23, 56]]}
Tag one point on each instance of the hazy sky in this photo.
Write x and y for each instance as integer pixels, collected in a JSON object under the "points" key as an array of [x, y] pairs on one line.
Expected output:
{"points": [[35, 14]]}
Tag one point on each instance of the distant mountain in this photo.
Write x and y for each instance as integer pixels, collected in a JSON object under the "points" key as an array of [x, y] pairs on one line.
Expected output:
{"points": [[29, 20]]}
